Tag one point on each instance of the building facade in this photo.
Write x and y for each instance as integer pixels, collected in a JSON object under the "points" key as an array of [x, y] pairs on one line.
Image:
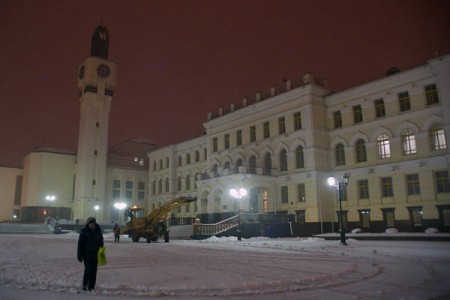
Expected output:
{"points": [[390, 135]]}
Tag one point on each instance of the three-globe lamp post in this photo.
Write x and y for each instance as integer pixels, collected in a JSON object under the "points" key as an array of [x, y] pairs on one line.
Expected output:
{"points": [[238, 194], [338, 185]]}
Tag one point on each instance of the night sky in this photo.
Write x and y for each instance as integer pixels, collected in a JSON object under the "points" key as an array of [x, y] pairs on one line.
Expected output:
{"points": [[180, 59]]}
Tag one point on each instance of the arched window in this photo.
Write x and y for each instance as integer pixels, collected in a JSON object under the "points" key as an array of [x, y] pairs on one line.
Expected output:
{"points": [[188, 158], [299, 158], [160, 186], [339, 152], [384, 149], [180, 161], [360, 150], [154, 187], [167, 162], [215, 169], [437, 137], [197, 156], [179, 184], [160, 164], [239, 163], [283, 161], [409, 142], [167, 185], [252, 164], [267, 164], [188, 182]]}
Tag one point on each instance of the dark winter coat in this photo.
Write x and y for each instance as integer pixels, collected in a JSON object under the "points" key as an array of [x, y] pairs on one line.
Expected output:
{"points": [[89, 242]]}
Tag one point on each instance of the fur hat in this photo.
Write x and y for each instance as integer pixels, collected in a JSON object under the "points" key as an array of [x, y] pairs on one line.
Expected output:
{"points": [[89, 220]]}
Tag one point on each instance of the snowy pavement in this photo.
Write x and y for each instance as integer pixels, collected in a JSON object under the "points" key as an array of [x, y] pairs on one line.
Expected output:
{"points": [[45, 267]]}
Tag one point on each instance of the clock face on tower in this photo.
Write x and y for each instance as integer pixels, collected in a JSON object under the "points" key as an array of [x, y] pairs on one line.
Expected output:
{"points": [[103, 70]]}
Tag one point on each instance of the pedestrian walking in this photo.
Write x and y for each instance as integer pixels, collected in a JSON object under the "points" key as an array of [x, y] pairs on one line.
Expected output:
{"points": [[116, 233], [90, 240]]}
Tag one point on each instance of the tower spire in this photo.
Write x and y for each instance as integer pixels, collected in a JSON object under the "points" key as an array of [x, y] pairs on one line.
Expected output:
{"points": [[100, 42]]}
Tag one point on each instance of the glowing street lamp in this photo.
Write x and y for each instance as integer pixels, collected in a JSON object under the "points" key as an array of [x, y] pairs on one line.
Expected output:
{"points": [[120, 206], [238, 194], [96, 208], [338, 185], [50, 198]]}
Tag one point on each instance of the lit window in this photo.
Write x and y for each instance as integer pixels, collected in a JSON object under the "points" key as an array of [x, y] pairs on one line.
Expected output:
{"points": [[412, 184], [357, 114], [384, 150], [409, 142], [431, 94], [404, 102], [387, 189], [379, 108], [437, 136]]}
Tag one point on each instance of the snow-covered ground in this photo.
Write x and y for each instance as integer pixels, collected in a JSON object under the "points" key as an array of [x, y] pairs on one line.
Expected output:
{"points": [[44, 266]]}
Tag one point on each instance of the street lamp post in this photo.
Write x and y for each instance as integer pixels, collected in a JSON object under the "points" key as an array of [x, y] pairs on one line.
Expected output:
{"points": [[96, 208], [120, 206], [50, 198], [238, 194], [338, 184]]}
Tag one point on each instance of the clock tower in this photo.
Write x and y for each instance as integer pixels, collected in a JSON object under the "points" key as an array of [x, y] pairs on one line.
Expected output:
{"points": [[97, 78]]}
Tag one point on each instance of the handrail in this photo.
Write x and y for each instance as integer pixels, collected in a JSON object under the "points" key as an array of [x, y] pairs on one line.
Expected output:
{"points": [[212, 229]]}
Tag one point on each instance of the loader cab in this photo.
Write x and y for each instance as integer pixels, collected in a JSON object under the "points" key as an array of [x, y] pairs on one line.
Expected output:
{"points": [[134, 212]]}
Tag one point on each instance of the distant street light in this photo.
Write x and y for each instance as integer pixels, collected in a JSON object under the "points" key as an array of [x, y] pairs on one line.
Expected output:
{"points": [[96, 208], [120, 206], [337, 184], [238, 194]]}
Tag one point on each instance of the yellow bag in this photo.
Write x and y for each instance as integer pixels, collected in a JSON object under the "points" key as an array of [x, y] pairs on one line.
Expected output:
{"points": [[101, 256]]}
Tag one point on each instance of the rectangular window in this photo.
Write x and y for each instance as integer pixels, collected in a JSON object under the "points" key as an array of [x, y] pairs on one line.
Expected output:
{"points": [[431, 94], [141, 196], [389, 217], [363, 189], [404, 101], [364, 216], [442, 181], [141, 185], [297, 120], [387, 189], [301, 192], [252, 133], [116, 184], [129, 185], [116, 194], [284, 194], [300, 216], [416, 216], [281, 126], [357, 114], [116, 189], [379, 108], [215, 145], [266, 130], [337, 117], [227, 141], [18, 191], [239, 137], [412, 184]]}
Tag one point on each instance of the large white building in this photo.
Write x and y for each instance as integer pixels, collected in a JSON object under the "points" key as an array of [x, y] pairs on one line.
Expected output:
{"points": [[389, 135]]}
